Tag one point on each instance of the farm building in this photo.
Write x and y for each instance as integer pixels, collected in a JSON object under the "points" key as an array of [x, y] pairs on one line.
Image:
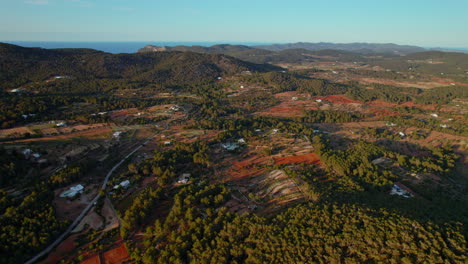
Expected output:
{"points": [[73, 191]]}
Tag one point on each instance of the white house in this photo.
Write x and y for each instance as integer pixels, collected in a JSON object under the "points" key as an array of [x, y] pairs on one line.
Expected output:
{"points": [[61, 124], [434, 115], [27, 153], [73, 191], [117, 134], [229, 146], [123, 184], [184, 178], [397, 190]]}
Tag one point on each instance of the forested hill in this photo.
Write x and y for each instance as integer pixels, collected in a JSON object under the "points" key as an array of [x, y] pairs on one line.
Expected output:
{"points": [[364, 48], [84, 70], [257, 55]]}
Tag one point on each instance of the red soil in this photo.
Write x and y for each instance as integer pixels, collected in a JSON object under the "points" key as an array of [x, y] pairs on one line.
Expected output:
{"points": [[380, 103], [63, 248], [116, 255], [250, 161], [93, 260], [337, 99], [119, 114], [382, 112], [310, 158]]}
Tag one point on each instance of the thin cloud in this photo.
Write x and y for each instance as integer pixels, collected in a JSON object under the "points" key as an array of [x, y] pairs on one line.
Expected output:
{"points": [[37, 2]]}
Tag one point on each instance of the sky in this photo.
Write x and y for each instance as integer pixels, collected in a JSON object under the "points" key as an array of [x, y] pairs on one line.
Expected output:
{"points": [[428, 23]]}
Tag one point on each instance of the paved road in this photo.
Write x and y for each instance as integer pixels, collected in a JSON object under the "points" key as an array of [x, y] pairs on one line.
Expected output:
{"points": [[90, 205], [85, 211]]}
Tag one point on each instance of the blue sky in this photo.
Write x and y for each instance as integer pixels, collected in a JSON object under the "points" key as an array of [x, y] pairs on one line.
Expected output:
{"points": [[418, 22]]}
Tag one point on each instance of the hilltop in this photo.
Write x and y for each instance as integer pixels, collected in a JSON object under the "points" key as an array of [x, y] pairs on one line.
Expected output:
{"points": [[90, 70]]}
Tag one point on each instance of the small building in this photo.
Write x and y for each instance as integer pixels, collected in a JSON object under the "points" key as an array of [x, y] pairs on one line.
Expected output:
{"points": [[117, 134], [73, 191], [391, 124], [242, 86], [378, 161], [229, 146], [401, 190], [27, 153], [434, 115], [401, 134], [241, 141], [123, 184], [36, 155], [443, 126], [61, 124], [15, 91], [295, 98], [318, 100], [167, 143], [184, 178]]}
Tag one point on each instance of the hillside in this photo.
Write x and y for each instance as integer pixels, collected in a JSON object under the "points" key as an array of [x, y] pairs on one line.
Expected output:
{"points": [[94, 71], [364, 48], [260, 55], [439, 63]]}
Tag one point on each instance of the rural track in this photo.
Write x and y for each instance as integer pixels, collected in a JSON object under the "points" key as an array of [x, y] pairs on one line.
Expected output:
{"points": [[90, 205]]}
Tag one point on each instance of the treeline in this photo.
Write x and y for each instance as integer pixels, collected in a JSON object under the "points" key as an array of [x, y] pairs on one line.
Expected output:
{"points": [[142, 206], [283, 82], [67, 175], [455, 128], [60, 106], [193, 221], [326, 233], [386, 93], [27, 224], [442, 95], [354, 164], [36, 108], [13, 167]]}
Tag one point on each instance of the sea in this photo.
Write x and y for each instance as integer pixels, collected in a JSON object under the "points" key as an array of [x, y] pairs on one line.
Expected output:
{"points": [[120, 47]]}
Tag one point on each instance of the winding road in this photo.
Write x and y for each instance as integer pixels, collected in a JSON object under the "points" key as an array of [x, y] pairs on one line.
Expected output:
{"points": [[89, 206]]}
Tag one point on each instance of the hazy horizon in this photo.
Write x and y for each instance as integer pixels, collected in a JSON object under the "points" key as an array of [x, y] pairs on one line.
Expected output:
{"points": [[421, 23]]}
